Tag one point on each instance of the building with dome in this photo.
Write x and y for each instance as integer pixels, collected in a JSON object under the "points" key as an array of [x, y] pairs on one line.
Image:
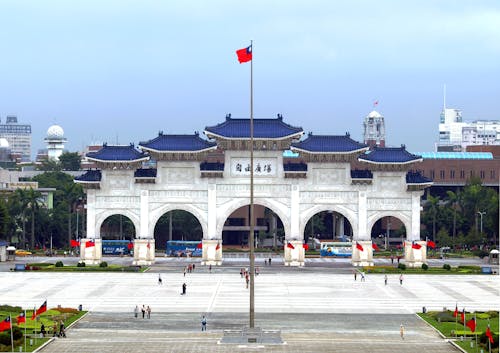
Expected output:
{"points": [[55, 142], [374, 130]]}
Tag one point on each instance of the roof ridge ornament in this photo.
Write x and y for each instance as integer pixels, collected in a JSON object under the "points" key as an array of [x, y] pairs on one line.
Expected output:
{"points": [[280, 117], [228, 116]]}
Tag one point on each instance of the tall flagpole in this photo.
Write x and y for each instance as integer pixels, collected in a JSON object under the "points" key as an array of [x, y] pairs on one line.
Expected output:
{"points": [[11, 332], [252, 222]]}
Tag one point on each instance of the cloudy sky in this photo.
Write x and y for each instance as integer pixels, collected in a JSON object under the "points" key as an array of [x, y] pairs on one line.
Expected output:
{"points": [[120, 71]]}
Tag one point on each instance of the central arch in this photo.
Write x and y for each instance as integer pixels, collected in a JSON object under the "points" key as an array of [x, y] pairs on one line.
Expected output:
{"points": [[350, 215]]}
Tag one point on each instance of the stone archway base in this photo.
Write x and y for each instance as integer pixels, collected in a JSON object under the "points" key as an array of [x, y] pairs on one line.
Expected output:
{"points": [[144, 252], [91, 255], [415, 257], [212, 252], [362, 253], [294, 253]]}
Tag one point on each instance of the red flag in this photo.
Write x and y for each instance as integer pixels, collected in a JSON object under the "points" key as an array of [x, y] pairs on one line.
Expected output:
{"points": [[415, 246], [305, 246], [200, 245], [217, 247], [21, 318], [431, 244], [40, 310], [455, 314], [74, 243], [149, 245], [375, 103], [471, 324], [130, 245], [488, 334], [375, 247], [359, 246], [462, 315], [89, 244], [244, 54], [5, 324], [289, 245]]}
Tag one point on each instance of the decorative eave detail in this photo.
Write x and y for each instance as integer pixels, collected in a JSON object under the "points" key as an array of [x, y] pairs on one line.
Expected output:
{"points": [[269, 134], [118, 157], [145, 176], [361, 177], [416, 181], [212, 169], [390, 159], [329, 148], [178, 147], [295, 170], [91, 179]]}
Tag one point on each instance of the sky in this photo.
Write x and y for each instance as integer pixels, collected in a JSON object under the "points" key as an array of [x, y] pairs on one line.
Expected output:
{"points": [[121, 71]]}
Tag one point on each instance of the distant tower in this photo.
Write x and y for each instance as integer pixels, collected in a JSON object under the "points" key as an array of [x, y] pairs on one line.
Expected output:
{"points": [[374, 130], [55, 142]]}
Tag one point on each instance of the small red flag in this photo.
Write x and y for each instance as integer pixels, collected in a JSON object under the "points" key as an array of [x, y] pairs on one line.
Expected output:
{"points": [[40, 310], [431, 244], [416, 246], [74, 243], [89, 244], [488, 334], [244, 54], [130, 246], [359, 246], [375, 103], [462, 315], [375, 247], [305, 246], [289, 245], [455, 314], [471, 324], [21, 318], [217, 247], [200, 245], [149, 245], [5, 324]]}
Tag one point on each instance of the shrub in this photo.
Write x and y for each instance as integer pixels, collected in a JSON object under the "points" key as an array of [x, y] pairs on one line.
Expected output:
{"points": [[447, 267], [425, 267], [402, 267], [59, 264], [80, 264], [103, 264], [67, 310]]}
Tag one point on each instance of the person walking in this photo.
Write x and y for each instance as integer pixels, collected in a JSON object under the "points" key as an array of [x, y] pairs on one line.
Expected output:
{"points": [[401, 279], [210, 268], [203, 323], [362, 276], [385, 280], [184, 271], [355, 275], [402, 331], [143, 310], [269, 261], [160, 282], [184, 286], [62, 332], [136, 311], [148, 311]]}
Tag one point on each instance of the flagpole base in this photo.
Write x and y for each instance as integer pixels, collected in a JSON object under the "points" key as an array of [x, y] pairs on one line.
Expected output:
{"points": [[294, 253], [415, 258], [91, 255], [144, 252], [362, 258], [211, 252]]}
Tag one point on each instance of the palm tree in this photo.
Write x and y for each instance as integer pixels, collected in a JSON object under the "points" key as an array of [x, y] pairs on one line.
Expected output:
{"points": [[34, 202], [20, 202], [73, 194], [453, 200], [433, 203]]}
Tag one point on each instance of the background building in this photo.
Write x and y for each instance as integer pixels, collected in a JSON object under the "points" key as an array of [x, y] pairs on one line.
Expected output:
{"points": [[55, 142], [374, 130], [19, 138]]}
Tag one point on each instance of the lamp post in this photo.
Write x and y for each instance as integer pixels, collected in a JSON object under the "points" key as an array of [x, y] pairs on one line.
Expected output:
{"points": [[481, 214]]}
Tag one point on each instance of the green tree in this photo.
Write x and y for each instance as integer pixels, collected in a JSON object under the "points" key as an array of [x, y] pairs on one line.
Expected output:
{"points": [[34, 203], [50, 166], [4, 220], [70, 161]]}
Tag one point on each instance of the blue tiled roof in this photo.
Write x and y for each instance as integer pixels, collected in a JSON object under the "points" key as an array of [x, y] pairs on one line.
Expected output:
{"points": [[392, 155], [262, 128], [329, 144], [417, 178], [455, 155], [145, 173], [361, 174], [91, 176], [176, 143], [295, 167], [117, 154], [212, 166]]}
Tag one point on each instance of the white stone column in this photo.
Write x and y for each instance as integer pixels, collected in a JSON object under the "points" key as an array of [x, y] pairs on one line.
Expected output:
{"points": [[415, 253], [362, 253], [294, 253], [362, 231], [212, 252], [415, 216], [294, 257], [91, 226], [91, 255], [144, 222], [144, 252]]}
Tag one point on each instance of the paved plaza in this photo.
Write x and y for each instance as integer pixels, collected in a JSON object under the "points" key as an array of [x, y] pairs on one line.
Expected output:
{"points": [[317, 309]]}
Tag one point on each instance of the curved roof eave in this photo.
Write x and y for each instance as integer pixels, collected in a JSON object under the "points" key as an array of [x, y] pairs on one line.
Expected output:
{"points": [[118, 161], [298, 133], [360, 150], [180, 151], [394, 163]]}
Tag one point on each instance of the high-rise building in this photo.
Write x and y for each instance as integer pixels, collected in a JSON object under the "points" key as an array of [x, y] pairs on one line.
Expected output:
{"points": [[374, 130], [18, 136]]}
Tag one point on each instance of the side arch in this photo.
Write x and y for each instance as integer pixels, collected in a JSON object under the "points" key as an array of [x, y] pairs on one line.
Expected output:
{"points": [[344, 211], [155, 216], [404, 218], [102, 216]]}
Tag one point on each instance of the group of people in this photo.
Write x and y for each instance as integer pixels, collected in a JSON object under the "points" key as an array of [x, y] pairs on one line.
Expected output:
{"points": [[145, 310], [362, 274], [55, 332], [189, 269]]}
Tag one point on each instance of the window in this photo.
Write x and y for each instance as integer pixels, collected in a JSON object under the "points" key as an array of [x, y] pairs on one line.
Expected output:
{"points": [[441, 174], [452, 174], [432, 174], [492, 174], [481, 174]]}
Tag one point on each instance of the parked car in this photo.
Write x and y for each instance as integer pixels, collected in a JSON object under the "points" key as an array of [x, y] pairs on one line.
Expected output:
{"points": [[21, 252]]}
